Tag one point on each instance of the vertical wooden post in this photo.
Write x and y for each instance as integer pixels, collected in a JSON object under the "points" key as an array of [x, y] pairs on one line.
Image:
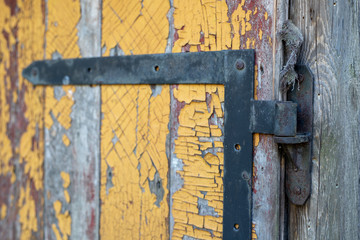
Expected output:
{"points": [[332, 50]]}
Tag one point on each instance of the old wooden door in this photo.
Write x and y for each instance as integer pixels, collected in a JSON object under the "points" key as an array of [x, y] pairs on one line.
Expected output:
{"points": [[107, 162]]}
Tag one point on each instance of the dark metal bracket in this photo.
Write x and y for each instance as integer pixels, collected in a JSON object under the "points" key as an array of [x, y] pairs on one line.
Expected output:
{"points": [[291, 123], [298, 149], [243, 116]]}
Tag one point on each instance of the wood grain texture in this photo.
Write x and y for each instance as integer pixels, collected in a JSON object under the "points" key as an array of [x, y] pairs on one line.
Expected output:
{"points": [[219, 25], [72, 143], [134, 128], [21, 121], [332, 50]]}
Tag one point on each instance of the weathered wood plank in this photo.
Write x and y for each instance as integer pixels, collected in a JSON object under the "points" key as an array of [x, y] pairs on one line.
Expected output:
{"points": [[219, 25], [72, 121], [21, 121], [332, 50], [134, 128]]}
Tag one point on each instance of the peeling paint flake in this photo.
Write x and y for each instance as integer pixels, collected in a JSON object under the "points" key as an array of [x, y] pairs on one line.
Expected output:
{"points": [[197, 215], [134, 183]]}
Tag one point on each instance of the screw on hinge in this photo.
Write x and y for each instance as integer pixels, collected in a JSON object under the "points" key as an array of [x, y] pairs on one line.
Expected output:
{"points": [[240, 65], [297, 190]]}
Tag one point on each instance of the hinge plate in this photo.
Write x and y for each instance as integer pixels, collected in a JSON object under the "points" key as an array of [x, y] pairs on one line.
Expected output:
{"points": [[234, 69], [298, 149]]}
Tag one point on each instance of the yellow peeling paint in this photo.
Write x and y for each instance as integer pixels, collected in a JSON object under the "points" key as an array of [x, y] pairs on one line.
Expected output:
{"points": [[27, 213], [133, 137], [30, 29], [134, 127], [66, 179], [67, 196], [66, 140], [203, 26], [60, 110], [5, 144], [63, 229], [135, 26], [201, 175], [61, 34], [3, 212], [61, 40], [253, 232]]}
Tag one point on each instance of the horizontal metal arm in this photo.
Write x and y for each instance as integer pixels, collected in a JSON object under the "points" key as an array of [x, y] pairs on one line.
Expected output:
{"points": [[174, 68]]}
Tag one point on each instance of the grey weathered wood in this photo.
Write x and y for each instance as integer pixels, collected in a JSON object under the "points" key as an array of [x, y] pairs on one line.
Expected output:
{"points": [[332, 50], [268, 207], [81, 159]]}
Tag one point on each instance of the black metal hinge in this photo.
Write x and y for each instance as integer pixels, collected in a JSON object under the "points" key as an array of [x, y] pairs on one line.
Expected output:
{"points": [[291, 123], [243, 115]]}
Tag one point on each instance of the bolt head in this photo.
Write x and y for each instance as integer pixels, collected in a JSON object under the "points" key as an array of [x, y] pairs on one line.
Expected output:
{"points": [[240, 65], [297, 190]]}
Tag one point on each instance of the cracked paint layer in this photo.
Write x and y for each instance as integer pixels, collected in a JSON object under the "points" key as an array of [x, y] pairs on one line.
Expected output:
{"points": [[61, 42], [197, 207], [214, 25], [135, 26], [134, 166]]}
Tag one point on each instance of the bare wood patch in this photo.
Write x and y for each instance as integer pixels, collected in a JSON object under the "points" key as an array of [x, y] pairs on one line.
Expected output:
{"points": [[72, 153]]}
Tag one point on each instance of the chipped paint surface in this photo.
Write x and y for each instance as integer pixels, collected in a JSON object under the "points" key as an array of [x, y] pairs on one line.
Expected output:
{"points": [[61, 33], [21, 146], [62, 229], [3, 210], [142, 175], [61, 42], [59, 103], [236, 24], [133, 145], [72, 124], [134, 166], [215, 25], [135, 26], [197, 205], [253, 232]]}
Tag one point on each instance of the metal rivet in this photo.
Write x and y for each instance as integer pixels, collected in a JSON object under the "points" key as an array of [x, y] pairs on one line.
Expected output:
{"points": [[236, 226], [34, 72], [296, 169], [297, 190], [66, 80], [240, 65]]}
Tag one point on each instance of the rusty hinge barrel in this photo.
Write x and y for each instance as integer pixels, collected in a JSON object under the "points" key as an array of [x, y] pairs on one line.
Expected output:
{"points": [[291, 124]]}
